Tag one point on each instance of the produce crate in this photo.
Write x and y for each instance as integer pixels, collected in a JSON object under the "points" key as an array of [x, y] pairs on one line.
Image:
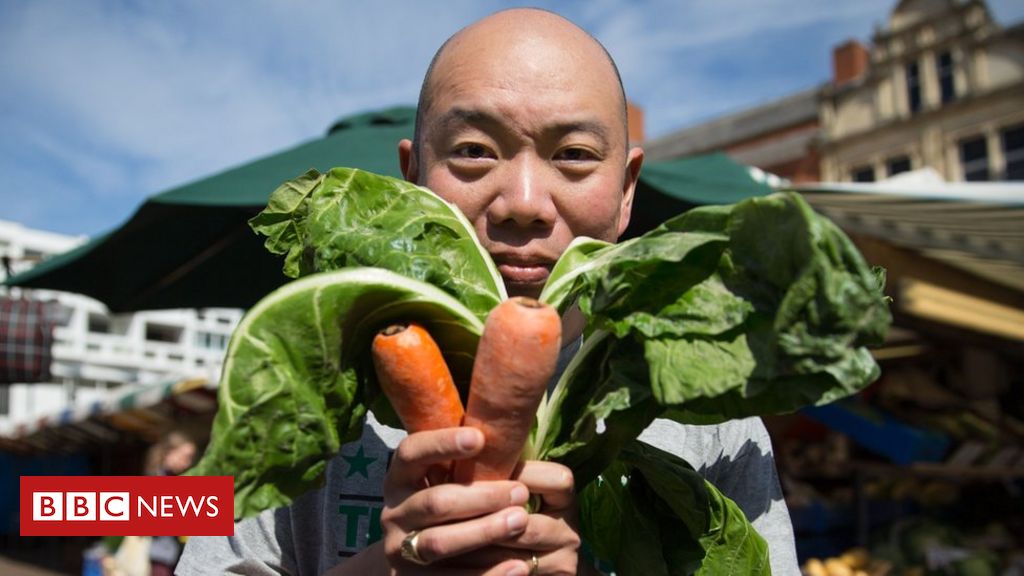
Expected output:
{"points": [[880, 433]]}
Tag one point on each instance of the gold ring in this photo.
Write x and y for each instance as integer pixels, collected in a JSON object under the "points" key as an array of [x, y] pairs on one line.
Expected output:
{"points": [[534, 565], [409, 550]]}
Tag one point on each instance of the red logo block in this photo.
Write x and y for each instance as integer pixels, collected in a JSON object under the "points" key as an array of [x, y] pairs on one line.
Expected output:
{"points": [[127, 506]]}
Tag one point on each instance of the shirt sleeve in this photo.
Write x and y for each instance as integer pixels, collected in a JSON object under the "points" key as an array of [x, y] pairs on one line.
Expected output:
{"points": [[255, 549], [736, 456], [746, 474]]}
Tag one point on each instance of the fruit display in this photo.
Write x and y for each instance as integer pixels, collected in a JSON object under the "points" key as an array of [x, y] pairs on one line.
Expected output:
{"points": [[853, 562]]}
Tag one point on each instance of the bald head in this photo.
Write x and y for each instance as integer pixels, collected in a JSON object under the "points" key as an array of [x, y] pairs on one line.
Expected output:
{"points": [[522, 126], [501, 36]]}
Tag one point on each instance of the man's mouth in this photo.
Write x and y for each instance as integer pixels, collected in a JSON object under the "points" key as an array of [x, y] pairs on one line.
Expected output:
{"points": [[524, 273]]}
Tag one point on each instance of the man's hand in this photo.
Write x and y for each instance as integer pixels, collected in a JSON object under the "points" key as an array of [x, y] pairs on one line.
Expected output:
{"points": [[453, 520], [551, 534], [478, 528]]}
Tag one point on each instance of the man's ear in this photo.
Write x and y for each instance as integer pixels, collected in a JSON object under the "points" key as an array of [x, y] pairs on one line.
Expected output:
{"points": [[634, 160], [407, 161]]}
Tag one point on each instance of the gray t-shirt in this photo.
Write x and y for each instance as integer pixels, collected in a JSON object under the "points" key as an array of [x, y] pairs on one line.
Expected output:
{"points": [[326, 526]]}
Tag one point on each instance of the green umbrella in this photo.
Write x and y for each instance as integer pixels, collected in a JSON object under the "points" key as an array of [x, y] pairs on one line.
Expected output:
{"points": [[191, 247], [671, 187]]}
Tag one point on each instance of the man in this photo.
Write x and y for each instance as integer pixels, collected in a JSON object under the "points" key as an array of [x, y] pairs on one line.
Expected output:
{"points": [[521, 124]]}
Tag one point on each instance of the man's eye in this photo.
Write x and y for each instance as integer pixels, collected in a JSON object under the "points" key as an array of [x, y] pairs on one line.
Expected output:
{"points": [[575, 155], [472, 151]]}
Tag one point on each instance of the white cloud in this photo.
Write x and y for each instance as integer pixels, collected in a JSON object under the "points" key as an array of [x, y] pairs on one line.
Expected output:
{"points": [[130, 99], [174, 92], [684, 62]]}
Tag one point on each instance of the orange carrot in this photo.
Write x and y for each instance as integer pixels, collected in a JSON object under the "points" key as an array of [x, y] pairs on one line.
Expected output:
{"points": [[414, 376], [514, 361]]}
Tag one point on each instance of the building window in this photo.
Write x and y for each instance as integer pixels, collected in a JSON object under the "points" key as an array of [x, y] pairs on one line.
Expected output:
{"points": [[1013, 152], [947, 88], [62, 314], [33, 255], [99, 324], [914, 87], [204, 339], [211, 341], [5, 400], [974, 159], [897, 165], [863, 174], [163, 333]]}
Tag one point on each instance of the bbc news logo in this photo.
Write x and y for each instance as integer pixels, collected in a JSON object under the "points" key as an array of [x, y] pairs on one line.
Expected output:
{"points": [[106, 506], [127, 506]]}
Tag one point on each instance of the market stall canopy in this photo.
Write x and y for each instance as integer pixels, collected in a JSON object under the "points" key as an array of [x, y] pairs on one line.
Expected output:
{"points": [[670, 187], [954, 251], [192, 247], [140, 412]]}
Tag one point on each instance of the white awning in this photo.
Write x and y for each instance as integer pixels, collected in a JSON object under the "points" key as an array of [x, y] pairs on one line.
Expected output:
{"points": [[143, 410], [975, 228]]}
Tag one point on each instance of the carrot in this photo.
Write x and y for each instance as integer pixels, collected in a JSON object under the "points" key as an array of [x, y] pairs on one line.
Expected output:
{"points": [[415, 378], [514, 361]]}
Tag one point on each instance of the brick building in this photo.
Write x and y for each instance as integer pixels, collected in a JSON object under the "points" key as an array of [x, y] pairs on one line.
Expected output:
{"points": [[941, 85]]}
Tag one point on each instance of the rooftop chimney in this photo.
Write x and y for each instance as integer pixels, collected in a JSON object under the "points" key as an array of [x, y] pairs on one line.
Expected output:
{"points": [[635, 123], [849, 62]]}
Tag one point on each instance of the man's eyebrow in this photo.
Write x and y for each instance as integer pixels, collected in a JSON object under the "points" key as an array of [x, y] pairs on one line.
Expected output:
{"points": [[471, 116], [594, 127], [484, 119]]}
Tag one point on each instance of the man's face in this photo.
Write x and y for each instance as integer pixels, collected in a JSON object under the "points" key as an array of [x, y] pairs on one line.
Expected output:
{"points": [[528, 141]]}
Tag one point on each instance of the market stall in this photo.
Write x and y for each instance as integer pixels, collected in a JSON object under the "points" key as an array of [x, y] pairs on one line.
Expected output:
{"points": [[924, 470]]}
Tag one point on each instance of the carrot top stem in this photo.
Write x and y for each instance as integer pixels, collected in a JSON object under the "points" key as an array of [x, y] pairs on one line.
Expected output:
{"points": [[394, 329]]}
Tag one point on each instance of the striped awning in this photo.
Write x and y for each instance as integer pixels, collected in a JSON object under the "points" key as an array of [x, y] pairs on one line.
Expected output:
{"points": [[143, 411], [976, 229], [983, 233]]}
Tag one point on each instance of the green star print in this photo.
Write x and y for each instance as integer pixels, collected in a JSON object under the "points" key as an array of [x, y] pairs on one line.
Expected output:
{"points": [[358, 463]]}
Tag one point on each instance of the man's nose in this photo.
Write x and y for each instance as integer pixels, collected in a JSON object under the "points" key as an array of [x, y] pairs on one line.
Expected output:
{"points": [[524, 197]]}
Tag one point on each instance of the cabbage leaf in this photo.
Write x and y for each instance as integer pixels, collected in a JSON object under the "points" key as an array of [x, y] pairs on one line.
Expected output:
{"points": [[756, 308]]}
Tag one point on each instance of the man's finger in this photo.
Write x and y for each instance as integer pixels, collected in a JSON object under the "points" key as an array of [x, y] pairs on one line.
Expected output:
{"points": [[449, 569], [452, 502], [490, 556], [543, 533], [438, 543], [418, 452], [561, 561], [552, 481]]}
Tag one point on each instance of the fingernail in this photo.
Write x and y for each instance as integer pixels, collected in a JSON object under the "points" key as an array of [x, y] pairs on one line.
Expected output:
{"points": [[519, 495], [518, 570], [467, 440], [516, 521]]}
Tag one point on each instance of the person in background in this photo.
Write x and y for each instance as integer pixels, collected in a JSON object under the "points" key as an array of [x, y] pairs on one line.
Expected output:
{"points": [[172, 456], [521, 123]]}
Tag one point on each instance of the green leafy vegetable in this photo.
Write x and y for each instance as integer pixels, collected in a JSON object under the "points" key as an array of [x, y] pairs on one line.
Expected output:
{"points": [[293, 388], [653, 495], [722, 312], [351, 218], [758, 308]]}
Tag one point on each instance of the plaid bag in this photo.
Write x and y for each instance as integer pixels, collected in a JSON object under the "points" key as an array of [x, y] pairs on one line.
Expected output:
{"points": [[26, 338]]}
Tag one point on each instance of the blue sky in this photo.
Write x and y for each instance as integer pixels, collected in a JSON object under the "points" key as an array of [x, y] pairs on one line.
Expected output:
{"points": [[107, 102]]}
